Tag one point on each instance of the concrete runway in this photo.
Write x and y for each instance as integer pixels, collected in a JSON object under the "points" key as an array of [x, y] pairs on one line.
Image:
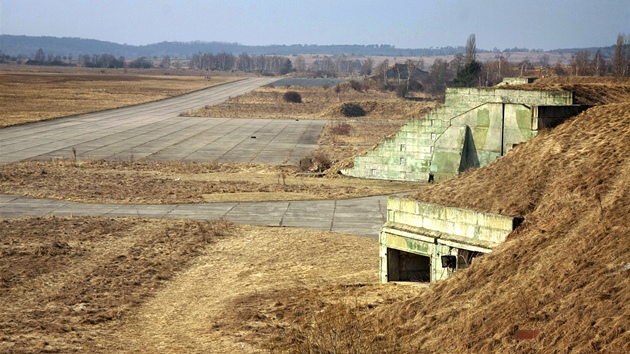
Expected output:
{"points": [[155, 131], [359, 216]]}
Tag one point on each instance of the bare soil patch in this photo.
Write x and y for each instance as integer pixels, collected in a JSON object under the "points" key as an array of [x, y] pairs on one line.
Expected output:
{"points": [[174, 182], [33, 96]]}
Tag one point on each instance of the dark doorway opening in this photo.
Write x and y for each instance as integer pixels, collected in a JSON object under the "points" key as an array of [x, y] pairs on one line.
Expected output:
{"points": [[465, 258], [405, 266]]}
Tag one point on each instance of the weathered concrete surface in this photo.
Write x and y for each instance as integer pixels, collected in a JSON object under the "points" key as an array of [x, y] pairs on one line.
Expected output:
{"points": [[156, 132], [360, 216], [472, 129], [433, 230]]}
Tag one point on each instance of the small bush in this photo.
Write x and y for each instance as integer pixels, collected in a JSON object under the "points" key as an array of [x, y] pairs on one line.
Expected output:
{"points": [[356, 85], [318, 161], [352, 110], [305, 164], [292, 96], [321, 161], [401, 91], [342, 128]]}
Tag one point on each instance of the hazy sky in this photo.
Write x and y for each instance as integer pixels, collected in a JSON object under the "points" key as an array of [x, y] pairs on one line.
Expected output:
{"points": [[545, 24]]}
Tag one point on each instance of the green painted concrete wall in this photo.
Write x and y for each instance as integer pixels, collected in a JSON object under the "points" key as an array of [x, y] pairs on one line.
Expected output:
{"points": [[487, 122], [434, 230]]}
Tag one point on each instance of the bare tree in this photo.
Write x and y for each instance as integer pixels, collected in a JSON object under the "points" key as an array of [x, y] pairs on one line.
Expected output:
{"points": [[579, 62], [457, 63], [439, 76], [382, 69], [621, 57], [300, 64], [544, 60], [471, 49], [366, 67], [166, 62], [598, 63]]}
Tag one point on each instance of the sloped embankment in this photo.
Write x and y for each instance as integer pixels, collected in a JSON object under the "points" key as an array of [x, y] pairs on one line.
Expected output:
{"points": [[565, 272]]}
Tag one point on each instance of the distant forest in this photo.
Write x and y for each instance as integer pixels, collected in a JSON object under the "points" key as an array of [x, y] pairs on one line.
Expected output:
{"points": [[26, 47]]}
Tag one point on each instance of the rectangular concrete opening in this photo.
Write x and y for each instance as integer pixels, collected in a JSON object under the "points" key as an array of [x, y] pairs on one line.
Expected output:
{"points": [[405, 266]]}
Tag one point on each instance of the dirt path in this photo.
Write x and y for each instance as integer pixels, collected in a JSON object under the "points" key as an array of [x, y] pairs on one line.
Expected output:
{"points": [[229, 300]]}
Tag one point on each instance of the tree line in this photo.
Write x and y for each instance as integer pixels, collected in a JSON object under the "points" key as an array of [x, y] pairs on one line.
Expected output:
{"points": [[464, 70]]}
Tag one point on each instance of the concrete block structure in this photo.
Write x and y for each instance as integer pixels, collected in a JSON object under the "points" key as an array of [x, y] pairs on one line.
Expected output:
{"points": [[427, 242], [472, 129]]}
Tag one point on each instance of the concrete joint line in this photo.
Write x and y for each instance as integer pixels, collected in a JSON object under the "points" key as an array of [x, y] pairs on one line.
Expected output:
{"points": [[284, 214], [332, 220], [185, 139], [55, 209], [270, 141], [225, 216]]}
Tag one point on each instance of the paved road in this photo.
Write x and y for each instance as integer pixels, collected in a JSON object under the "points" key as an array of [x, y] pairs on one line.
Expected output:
{"points": [[156, 132], [360, 216]]}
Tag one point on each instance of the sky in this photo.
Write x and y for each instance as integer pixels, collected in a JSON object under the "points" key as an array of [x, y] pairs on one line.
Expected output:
{"points": [[533, 24]]}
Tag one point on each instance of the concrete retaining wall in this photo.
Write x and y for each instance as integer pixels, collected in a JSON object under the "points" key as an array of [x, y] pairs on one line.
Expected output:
{"points": [[433, 230]]}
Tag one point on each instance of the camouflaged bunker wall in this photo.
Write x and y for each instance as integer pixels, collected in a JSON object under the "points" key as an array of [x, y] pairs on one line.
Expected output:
{"points": [[472, 129], [418, 237]]}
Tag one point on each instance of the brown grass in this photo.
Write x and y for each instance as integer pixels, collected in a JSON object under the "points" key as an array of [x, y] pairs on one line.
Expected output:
{"points": [[65, 281], [317, 103], [588, 90], [135, 285], [176, 182], [563, 273], [34, 96]]}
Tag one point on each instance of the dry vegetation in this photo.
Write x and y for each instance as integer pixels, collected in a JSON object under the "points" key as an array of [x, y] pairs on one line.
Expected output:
{"points": [[64, 282], [107, 285], [588, 90], [133, 285], [34, 96], [563, 274], [176, 182]]}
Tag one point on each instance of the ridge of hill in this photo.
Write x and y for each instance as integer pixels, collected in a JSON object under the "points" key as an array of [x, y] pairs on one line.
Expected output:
{"points": [[16, 45], [565, 273]]}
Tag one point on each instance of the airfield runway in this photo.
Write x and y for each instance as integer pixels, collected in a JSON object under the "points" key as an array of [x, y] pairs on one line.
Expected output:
{"points": [[155, 131]]}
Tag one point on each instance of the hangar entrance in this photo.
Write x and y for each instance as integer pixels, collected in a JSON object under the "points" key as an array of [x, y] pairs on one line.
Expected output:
{"points": [[405, 266]]}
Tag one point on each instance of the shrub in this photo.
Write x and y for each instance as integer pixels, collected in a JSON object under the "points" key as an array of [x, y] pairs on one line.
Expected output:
{"points": [[342, 128], [352, 110], [321, 161], [292, 96], [305, 164], [356, 85], [317, 161]]}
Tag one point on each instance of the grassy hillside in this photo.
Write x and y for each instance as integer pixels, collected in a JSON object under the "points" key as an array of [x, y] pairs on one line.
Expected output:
{"points": [[564, 274]]}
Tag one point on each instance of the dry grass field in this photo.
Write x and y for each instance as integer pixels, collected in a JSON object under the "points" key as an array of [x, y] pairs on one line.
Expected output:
{"points": [[28, 96], [109, 285], [139, 182]]}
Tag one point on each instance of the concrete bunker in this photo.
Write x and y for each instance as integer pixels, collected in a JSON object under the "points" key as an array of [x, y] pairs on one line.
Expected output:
{"points": [[425, 242], [473, 128]]}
